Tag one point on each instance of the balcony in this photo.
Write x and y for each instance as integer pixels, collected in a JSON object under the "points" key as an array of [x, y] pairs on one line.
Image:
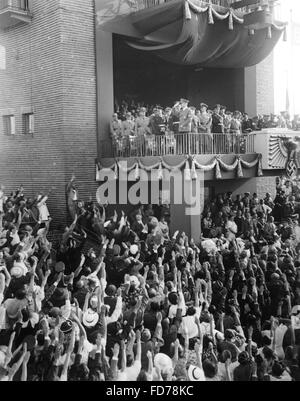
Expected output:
{"points": [[14, 12], [178, 144], [138, 5]]}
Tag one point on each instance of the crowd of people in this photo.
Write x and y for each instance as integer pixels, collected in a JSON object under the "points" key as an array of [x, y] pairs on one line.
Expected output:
{"points": [[138, 126], [201, 119], [144, 304]]}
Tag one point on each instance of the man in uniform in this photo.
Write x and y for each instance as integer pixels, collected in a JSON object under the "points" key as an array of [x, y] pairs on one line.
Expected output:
{"points": [[141, 123], [115, 127], [168, 118], [185, 117], [157, 122], [217, 120], [217, 128], [174, 118]]}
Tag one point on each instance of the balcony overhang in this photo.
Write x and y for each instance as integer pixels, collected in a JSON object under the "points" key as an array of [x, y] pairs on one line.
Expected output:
{"points": [[11, 14], [193, 32]]}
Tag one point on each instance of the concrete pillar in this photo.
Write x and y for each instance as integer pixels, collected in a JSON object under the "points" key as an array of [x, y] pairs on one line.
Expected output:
{"points": [[259, 87], [182, 218], [250, 91], [105, 83]]}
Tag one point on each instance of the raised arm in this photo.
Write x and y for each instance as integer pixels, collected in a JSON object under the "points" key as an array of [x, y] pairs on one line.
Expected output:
{"points": [[64, 374], [123, 356], [24, 367], [138, 355]]}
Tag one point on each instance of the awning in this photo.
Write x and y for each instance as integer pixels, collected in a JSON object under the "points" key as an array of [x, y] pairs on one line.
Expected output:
{"points": [[185, 33]]}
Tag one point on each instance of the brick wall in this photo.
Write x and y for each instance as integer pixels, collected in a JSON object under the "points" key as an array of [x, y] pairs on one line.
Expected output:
{"points": [[50, 69], [265, 86], [266, 184]]}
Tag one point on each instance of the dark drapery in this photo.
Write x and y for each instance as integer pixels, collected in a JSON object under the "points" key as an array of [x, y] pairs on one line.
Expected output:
{"points": [[183, 34]]}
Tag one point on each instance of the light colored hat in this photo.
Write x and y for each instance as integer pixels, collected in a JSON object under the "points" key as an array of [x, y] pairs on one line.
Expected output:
{"points": [[17, 270], [163, 362], [41, 232], [134, 280], [90, 318], [295, 310], [195, 374], [134, 249]]}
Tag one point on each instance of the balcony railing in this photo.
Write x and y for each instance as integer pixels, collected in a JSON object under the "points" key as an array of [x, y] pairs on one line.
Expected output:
{"points": [[14, 4], [14, 12], [178, 144]]}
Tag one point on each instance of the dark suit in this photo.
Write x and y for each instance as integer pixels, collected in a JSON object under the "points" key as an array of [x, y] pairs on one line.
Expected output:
{"points": [[157, 125], [217, 124]]}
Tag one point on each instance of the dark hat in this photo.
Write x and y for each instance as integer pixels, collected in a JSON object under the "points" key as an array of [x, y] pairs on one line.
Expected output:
{"points": [[66, 327], [173, 298]]}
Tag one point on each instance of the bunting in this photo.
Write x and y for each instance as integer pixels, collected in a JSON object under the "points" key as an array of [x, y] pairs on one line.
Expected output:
{"points": [[190, 165]]}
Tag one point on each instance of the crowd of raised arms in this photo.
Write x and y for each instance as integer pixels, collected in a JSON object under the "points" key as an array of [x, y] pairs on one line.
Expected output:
{"points": [[145, 304], [131, 119]]}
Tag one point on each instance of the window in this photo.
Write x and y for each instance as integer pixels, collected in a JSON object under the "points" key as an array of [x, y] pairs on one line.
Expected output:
{"points": [[9, 125], [28, 123]]}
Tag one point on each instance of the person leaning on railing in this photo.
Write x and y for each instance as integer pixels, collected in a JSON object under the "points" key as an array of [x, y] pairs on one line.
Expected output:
{"points": [[185, 117], [204, 127], [115, 128], [142, 129], [174, 118], [236, 130]]}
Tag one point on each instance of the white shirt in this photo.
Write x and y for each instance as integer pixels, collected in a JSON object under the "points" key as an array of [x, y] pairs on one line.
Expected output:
{"points": [[43, 209], [130, 373], [279, 335], [190, 324]]}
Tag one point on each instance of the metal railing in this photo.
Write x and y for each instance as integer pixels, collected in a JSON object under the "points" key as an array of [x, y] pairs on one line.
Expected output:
{"points": [[178, 144], [14, 4]]}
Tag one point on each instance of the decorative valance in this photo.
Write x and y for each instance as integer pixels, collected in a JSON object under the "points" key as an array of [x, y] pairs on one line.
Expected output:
{"points": [[190, 164]]}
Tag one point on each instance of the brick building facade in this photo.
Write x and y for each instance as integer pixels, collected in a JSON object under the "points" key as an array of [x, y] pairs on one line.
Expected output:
{"points": [[50, 71]]}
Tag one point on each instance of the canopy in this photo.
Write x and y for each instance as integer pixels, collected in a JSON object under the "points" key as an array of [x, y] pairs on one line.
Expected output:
{"points": [[183, 32]]}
